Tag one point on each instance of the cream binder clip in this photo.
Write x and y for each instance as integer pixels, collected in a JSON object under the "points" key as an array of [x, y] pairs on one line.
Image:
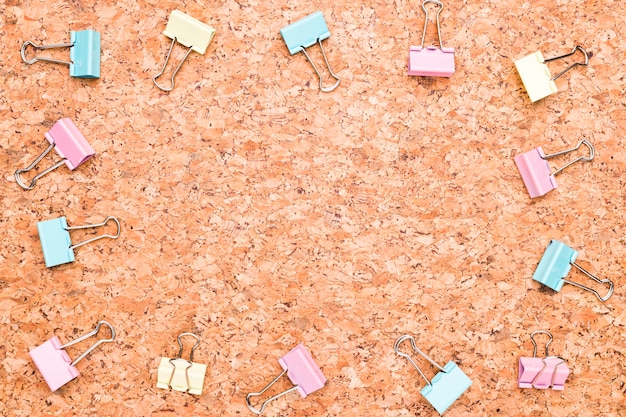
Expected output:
{"points": [[181, 374], [536, 76], [307, 32], [55, 364], [542, 373], [190, 33]]}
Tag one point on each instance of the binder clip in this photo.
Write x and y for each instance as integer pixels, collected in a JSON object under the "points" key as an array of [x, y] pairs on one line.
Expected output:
{"points": [[307, 32], [446, 386], [555, 265], [56, 242], [190, 33], [55, 364], [542, 373], [536, 76], [181, 374], [69, 143], [535, 171], [301, 370], [84, 54], [431, 61]]}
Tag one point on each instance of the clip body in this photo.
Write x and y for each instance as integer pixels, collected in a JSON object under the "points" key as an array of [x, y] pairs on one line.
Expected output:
{"points": [[84, 54], [56, 242], [536, 76], [555, 265], [301, 370], [55, 364], [69, 143], [542, 373], [307, 32], [190, 33], [431, 61], [535, 170], [181, 374], [446, 386]]}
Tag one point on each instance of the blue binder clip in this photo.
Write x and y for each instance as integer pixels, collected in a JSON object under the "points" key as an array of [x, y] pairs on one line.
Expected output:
{"points": [[307, 32], [555, 265], [84, 54], [446, 386], [56, 242]]}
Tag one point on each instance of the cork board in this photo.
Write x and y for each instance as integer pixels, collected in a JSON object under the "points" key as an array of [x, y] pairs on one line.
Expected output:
{"points": [[259, 212]]}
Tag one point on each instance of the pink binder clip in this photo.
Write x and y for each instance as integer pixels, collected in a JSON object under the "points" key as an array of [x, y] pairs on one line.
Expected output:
{"points": [[69, 143], [302, 371], [542, 373], [535, 171], [55, 364], [431, 61]]}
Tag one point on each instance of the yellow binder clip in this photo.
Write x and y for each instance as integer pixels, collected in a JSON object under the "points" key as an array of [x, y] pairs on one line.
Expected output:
{"points": [[181, 374], [189, 32], [535, 74]]}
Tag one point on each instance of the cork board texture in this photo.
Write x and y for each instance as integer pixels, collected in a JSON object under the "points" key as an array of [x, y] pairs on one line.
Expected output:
{"points": [[258, 212]]}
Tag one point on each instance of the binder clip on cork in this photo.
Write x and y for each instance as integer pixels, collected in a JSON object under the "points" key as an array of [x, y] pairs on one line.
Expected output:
{"points": [[445, 387], [431, 61], [84, 54], [542, 373], [304, 33], [555, 265], [190, 33], [301, 370], [55, 364], [535, 171], [70, 144], [56, 242], [181, 374], [536, 76]]}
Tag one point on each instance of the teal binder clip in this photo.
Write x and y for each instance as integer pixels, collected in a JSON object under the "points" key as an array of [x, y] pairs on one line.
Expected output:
{"points": [[56, 242], [446, 386], [555, 265], [84, 54], [307, 32]]}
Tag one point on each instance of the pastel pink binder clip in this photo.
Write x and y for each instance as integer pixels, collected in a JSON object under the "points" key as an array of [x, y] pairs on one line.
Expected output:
{"points": [[55, 364], [303, 373], [431, 61], [535, 171], [542, 373], [69, 143]]}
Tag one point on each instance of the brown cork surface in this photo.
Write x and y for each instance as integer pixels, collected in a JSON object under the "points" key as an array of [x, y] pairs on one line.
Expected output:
{"points": [[259, 212]]}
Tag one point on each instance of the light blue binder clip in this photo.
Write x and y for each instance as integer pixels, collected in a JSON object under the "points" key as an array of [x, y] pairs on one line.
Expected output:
{"points": [[84, 54], [446, 386], [56, 242], [555, 265], [307, 32]]}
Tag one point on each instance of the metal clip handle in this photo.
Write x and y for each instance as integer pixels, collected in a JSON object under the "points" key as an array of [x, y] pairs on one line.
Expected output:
{"points": [[596, 279], [585, 142], [19, 172], [154, 79], [88, 335], [575, 64], [180, 343], [532, 339], [44, 59], [319, 75], [253, 394], [88, 226], [396, 348], [440, 4]]}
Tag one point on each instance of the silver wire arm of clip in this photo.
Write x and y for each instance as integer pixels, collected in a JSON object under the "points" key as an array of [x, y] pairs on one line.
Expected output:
{"points": [[254, 394], [319, 75], [440, 4], [396, 348], [594, 278], [532, 339], [88, 335], [44, 59], [575, 64], [154, 79], [89, 226], [589, 158], [18, 173]]}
